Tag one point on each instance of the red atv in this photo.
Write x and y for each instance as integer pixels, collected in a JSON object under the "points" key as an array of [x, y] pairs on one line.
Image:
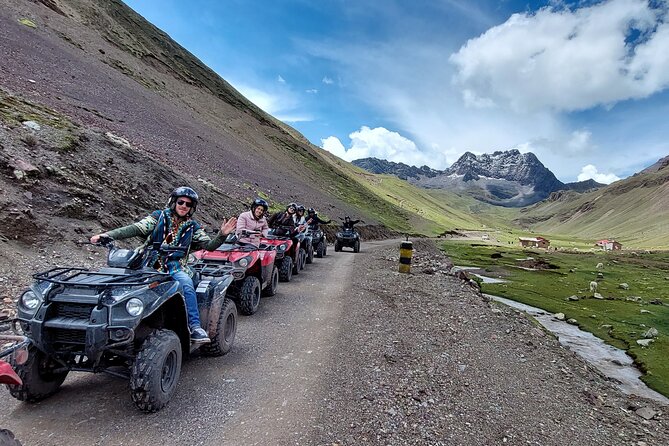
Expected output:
{"points": [[18, 347], [289, 255], [256, 272]]}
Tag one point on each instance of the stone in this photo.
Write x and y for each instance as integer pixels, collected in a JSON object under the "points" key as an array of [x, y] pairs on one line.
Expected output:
{"points": [[32, 125], [573, 298], [606, 326], [646, 413], [624, 286], [655, 302], [559, 316], [645, 342], [645, 312], [598, 296], [651, 333], [572, 321], [600, 265]]}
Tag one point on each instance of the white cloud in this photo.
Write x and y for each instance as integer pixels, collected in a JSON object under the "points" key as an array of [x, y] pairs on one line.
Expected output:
{"points": [[281, 103], [312, 91], [280, 79], [590, 172], [381, 143], [327, 81], [568, 60]]}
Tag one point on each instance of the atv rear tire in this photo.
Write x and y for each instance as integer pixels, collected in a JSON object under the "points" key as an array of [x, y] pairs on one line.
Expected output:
{"points": [[310, 254], [39, 381], [297, 264], [270, 289], [249, 296], [303, 258], [286, 269], [356, 247], [337, 246], [320, 249], [226, 329], [155, 372]]}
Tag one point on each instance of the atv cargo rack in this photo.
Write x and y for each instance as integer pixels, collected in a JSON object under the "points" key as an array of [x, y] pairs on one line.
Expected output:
{"points": [[84, 276]]}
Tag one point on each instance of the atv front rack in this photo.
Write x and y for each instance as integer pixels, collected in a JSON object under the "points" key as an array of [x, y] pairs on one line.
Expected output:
{"points": [[86, 277], [213, 269]]}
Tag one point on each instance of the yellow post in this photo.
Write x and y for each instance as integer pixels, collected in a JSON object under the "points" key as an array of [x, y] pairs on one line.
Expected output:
{"points": [[406, 251]]}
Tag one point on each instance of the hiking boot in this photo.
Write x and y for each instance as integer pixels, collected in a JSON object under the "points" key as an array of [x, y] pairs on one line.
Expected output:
{"points": [[198, 336]]}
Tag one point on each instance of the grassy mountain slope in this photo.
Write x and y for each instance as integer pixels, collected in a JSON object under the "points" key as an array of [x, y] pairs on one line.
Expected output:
{"points": [[634, 211], [103, 68]]}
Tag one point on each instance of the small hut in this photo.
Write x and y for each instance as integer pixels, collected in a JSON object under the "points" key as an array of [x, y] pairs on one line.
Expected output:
{"points": [[534, 242], [609, 245]]}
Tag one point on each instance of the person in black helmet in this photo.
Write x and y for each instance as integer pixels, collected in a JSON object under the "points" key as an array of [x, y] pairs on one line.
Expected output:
{"points": [[348, 223], [283, 222], [175, 226], [299, 218], [313, 220], [253, 220]]}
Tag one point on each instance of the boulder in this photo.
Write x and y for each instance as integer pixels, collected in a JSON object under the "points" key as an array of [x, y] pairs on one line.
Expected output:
{"points": [[624, 286], [651, 333], [572, 321], [559, 316], [645, 342]]}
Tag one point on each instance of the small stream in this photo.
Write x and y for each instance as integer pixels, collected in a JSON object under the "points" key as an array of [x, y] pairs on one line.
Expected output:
{"points": [[612, 362]]}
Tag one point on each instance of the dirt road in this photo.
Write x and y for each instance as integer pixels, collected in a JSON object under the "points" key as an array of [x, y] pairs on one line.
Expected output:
{"points": [[263, 392]]}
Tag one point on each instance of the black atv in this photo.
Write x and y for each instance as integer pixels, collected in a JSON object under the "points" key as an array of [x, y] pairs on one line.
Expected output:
{"points": [[127, 320], [347, 238], [318, 241]]}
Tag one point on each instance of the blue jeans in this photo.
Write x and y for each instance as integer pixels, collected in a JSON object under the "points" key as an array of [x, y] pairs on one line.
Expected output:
{"points": [[189, 296]]}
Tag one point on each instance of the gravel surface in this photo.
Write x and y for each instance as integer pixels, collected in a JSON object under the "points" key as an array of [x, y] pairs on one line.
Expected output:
{"points": [[424, 359]]}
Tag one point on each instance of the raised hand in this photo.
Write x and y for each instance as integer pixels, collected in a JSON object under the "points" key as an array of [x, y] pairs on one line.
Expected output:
{"points": [[229, 225]]}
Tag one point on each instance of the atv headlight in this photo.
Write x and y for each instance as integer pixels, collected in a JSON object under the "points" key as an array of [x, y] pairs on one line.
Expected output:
{"points": [[281, 247], [134, 307], [244, 262], [30, 301]]}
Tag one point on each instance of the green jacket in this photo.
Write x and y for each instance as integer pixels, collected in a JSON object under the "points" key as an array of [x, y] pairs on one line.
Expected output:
{"points": [[152, 228]]}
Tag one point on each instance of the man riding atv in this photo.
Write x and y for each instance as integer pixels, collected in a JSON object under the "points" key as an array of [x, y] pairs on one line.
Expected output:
{"points": [[253, 221], [174, 226]]}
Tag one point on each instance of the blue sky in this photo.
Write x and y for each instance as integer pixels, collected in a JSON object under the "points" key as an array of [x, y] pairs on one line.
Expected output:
{"points": [[582, 84]]}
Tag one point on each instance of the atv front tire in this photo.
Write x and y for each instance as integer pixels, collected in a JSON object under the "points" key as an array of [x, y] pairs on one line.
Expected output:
{"points": [[310, 254], [270, 289], [155, 372], [226, 329], [337, 246], [356, 247], [39, 380], [286, 269], [249, 296]]}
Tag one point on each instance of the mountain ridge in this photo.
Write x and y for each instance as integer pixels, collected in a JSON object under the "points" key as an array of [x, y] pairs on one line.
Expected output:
{"points": [[504, 178]]}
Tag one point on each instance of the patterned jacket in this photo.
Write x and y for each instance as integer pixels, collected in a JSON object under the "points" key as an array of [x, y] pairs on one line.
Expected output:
{"points": [[160, 227]]}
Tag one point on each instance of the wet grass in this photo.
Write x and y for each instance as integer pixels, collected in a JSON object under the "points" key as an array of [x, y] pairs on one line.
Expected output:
{"points": [[620, 319]]}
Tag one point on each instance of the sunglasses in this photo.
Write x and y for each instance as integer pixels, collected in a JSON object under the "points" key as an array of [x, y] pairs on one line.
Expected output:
{"points": [[188, 204]]}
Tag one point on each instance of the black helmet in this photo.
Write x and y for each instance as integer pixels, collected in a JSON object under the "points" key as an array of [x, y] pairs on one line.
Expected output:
{"points": [[259, 202], [292, 205], [183, 191], [311, 211], [300, 208]]}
